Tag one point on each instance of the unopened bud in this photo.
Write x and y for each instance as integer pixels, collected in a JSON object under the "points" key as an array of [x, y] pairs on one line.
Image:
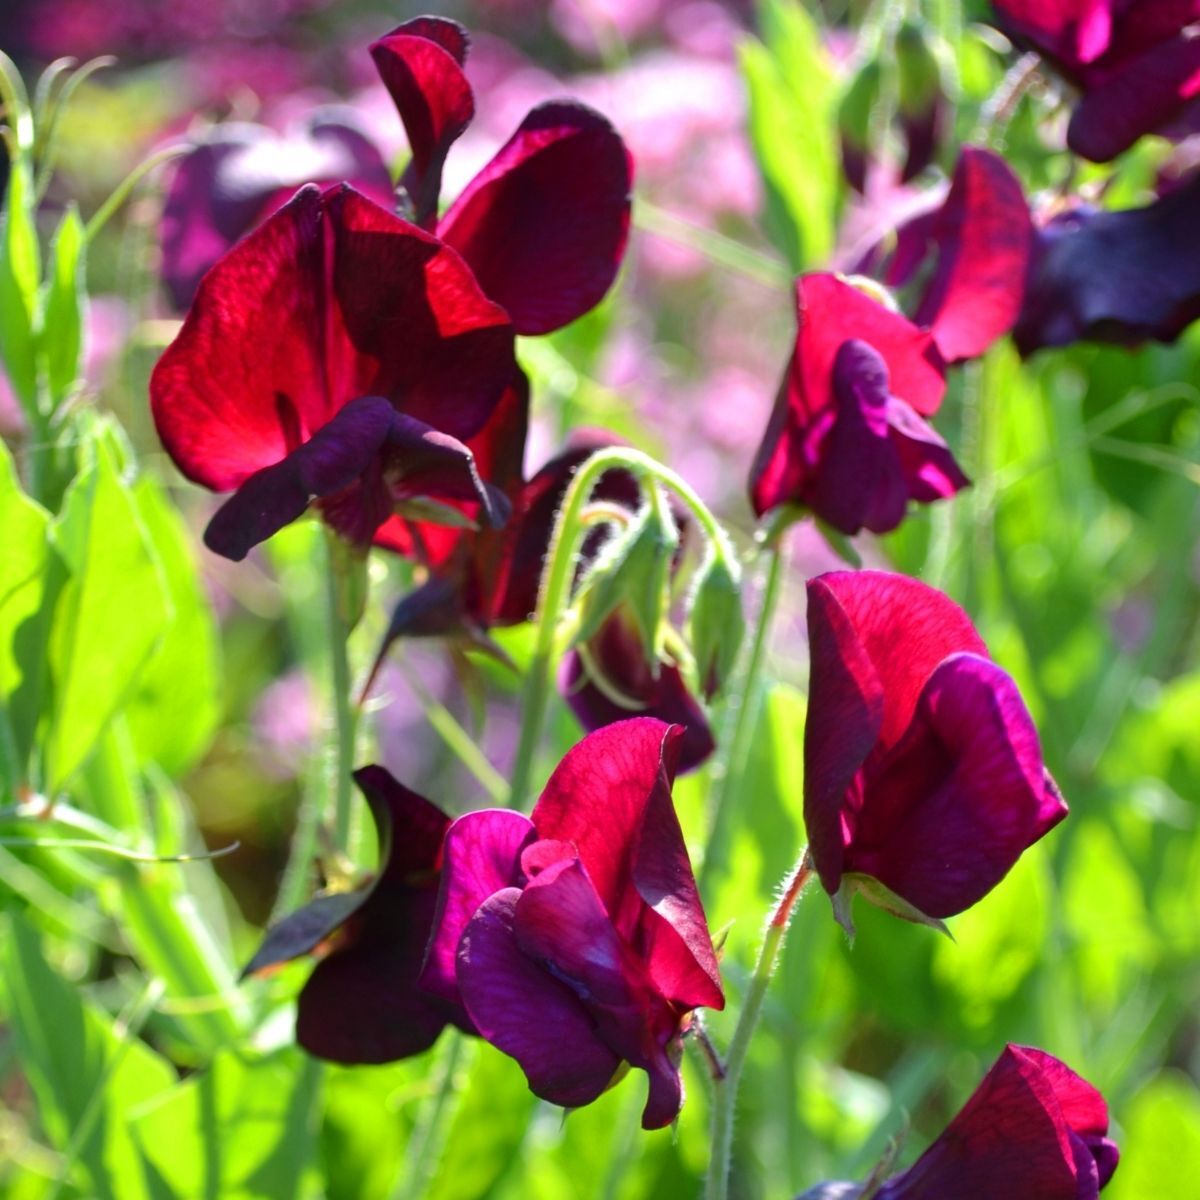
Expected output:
{"points": [[920, 96], [855, 114], [716, 624]]}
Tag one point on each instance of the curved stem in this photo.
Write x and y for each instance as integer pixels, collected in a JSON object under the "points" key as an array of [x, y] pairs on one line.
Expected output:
{"points": [[555, 592], [344, 711], [743, 704], [724, 1092]]}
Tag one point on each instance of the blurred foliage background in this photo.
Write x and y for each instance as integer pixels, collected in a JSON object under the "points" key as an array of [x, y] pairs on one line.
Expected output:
{"points": [[189, 706]]}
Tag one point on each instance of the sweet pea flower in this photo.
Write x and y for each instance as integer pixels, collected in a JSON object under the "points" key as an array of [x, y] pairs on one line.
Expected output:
{"points": [[339, 354], [1135, 62], [575, 939], [543, 225], [1033, 1128], [361, 1003], [1123, 276], [923, 778], [847, 438]]}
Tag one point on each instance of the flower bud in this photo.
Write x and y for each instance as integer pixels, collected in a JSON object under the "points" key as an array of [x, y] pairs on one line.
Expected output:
{"points": [[854, 121], [921, 98], [715, 622]]}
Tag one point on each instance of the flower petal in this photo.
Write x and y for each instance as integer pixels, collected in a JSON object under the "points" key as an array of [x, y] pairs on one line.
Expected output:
{"points": [[984, 235], [930, 470], [421, 65], [950, 811], [523, 1010], [481, 855], [544, 224]]}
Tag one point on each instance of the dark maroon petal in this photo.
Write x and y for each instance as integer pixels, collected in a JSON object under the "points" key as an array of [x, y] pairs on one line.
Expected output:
{"points": [[544, 224], [949, 812], [421, 64], [1122, 277], [922, 131], [1140, 97], [930, 470], [335, 456], [520, 1008], [410, 322], [409, 827], [243, 383], [611, 797], [984, 236], [481, 855]]}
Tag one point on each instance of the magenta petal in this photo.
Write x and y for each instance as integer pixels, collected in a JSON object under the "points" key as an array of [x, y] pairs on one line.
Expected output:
{"points": [[482, 855], [544, 224], [930, 470], [329, 461], [520, 1008], [984, 235], [421, 65], [949, 812]]}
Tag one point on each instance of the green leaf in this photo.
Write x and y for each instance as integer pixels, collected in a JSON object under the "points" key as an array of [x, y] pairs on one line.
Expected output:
{"points": [[62, 328], [20, 271], [75, 1058], [1160, 1152], [791, 111], [174, 711], [240, 1130], [112, 613]]}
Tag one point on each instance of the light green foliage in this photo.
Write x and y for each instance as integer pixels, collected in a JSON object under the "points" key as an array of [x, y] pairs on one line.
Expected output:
{"points": [[20, 274], [63, 340], [1161, 1144]]}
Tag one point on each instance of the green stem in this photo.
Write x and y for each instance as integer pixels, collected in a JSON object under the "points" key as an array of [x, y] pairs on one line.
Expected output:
{"points": [[570, 527], [424, 1146], [724, 1090], [345, 714], [735, 741], [102, 215]]}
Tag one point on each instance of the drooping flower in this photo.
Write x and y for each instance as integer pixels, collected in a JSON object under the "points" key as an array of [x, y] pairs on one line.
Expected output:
{"points": [[575, 939], [543, 225], [923, 778], [1032, 1128], [1135, 62], [361, 1003], [239, 173], [847, 438], [1123, 276], [339, 354]]}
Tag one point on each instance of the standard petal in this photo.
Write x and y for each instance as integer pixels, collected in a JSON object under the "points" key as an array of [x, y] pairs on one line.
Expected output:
{"points": [[243, 383], [331, 460], [481, 855], [410, 322], [949, 812], [523, 1010], [421, 65], [544, 224], [984, 235]]}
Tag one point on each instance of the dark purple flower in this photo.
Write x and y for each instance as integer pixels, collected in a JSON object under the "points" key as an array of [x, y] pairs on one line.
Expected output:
{"points": [[238, 174], [339, 354], [1124, 276], [361, 1003], [923, 775], [1135, 62], [576, 940], [847, 438]]}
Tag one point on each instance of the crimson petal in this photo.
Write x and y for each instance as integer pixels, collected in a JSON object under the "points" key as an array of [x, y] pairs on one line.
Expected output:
{"points": [[421, 65], [518, 1006], [544, 224]]}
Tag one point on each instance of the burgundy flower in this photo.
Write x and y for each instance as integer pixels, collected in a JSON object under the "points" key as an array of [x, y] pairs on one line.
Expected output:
{"points": [[847, 437], [543, 226], [339, 354], [1136, 63], [971, 249], [923, 778], [576, 940], [1115, 276], [239, 173], [361, 1003]]}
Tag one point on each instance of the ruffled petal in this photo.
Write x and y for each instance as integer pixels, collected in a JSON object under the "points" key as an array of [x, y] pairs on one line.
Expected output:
{"points": [[520, 1008], [481, 855], [544, 224], [949, 812], [984, 235], [421, 65]]}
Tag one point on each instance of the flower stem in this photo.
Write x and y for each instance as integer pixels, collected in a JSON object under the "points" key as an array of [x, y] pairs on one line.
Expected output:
{"points": [[724, 1089], [570, 527], [743, 704], [345, 714]]}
